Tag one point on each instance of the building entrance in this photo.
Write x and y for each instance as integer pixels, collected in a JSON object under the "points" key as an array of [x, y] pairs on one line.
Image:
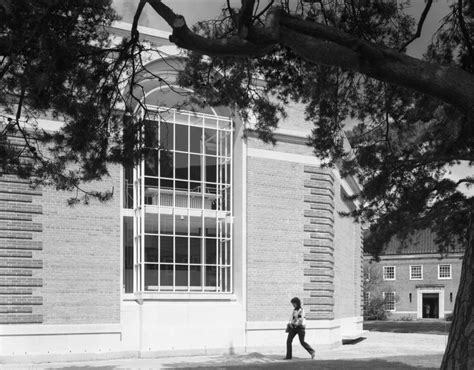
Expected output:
{"points": [[430, 305]]}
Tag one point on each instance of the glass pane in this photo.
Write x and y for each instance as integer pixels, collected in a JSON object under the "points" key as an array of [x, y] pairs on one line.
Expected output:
{"points": [[195, 250], [210, 250], [210, 226], [128, 187], [195, 167], [166, 249], [151, 162], [211, 143], [181, 254], [181, 192], [224, 141], [195, 193], [224, 172], [195, 120], [151, 277], [181, 166], [182, 118], [166, 224], [181, 224], [166, 185], [210, 167], [181, 138], [166, 276], [151, 191], [227, 253], [195, 139], [181, 275], [211, 276], [128, 254], [166, 195], [151, 134], [151, 223], [195, 225], [225, 276], [151, 248], [210, 122], [166, 135], [166, 164], [195, 275]]}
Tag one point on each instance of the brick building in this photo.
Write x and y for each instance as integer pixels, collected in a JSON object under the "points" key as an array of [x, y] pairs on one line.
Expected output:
{"points": [[200, 255], [416, 280]]}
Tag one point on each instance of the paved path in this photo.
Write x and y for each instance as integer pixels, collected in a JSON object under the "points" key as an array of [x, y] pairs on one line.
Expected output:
{"points": [[377, 351]]}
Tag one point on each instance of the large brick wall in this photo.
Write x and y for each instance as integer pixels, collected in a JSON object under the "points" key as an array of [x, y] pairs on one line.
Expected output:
{"points": [[403, 286], [275, 208], [81, 255]]}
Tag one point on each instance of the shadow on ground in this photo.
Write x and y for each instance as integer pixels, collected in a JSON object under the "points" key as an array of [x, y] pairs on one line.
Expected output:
{"points": [[259, 361]]}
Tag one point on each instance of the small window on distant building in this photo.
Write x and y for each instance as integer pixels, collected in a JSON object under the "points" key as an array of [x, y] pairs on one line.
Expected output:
{"points": [[366, 298], [389, 301], [416, 272], [444, 271], [389, 272]]}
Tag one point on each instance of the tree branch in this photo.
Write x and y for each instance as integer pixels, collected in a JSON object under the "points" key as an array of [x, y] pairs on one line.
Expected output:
{"points": [[450, 84], [321, 44], [465, 32], [420, 25], [184, 38]]}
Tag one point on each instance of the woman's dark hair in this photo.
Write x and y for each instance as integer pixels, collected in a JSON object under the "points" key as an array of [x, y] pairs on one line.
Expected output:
{"points": [[297, 302]]}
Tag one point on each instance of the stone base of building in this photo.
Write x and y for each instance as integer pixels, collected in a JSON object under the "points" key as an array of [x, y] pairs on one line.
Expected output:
{"points": [[46, 343]]}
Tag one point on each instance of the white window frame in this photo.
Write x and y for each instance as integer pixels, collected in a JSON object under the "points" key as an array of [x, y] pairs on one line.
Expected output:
{"points": [[385, 268], [411, 272], [223, 264], [450, 271], [394, 301]]}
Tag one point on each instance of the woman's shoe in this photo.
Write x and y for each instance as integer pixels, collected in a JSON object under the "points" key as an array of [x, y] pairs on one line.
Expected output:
{"points": [[312, 355], [287, 358]]}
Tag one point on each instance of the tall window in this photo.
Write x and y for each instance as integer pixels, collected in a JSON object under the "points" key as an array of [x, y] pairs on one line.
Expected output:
{"points": [[389, 301], [389, 272], [416, 272], [444, 271], [182, 202]]}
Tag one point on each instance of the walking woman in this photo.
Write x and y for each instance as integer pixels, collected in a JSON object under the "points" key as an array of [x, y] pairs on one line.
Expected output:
{"points": [[297, 326]]}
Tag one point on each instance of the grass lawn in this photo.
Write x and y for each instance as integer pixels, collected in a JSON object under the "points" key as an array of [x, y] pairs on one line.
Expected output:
{"points": [[415, 326]]}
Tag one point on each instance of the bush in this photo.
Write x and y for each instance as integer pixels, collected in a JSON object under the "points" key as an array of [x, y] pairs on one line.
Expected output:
{"points": [[375, 310]]}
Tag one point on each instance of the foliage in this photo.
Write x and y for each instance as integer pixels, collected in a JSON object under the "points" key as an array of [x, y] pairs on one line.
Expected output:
{"points": [[375, 286], [404, 140], [375, 309], [57, 61]]}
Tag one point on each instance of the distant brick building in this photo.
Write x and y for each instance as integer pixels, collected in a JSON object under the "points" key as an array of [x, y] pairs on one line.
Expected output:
{"points": [[416, 280], [199, 256]]}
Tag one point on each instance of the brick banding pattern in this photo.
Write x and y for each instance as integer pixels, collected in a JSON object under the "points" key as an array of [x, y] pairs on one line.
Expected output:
{"points": [[20, 252], [319, 244]]}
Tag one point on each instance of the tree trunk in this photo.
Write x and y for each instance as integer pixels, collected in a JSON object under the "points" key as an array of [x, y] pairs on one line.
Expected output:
{"points": [[459, 352]]}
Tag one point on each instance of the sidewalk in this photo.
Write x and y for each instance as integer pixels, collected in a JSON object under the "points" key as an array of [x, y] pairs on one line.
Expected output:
{"points": [[377, 351]]}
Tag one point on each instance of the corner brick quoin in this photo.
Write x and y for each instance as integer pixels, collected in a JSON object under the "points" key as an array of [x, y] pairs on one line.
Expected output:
{"points": [[20, 251], [319, 243]]}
